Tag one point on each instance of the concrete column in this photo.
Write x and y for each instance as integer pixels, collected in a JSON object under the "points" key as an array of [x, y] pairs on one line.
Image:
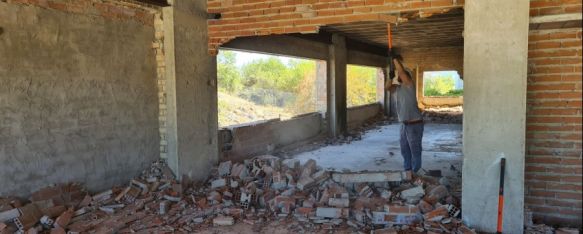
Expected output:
{"points": [[191, 90], [495, 66], [381, 87], [386, 94], [320, 92], [336, 64]]}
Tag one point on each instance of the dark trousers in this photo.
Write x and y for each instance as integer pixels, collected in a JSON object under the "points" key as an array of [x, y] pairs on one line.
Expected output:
{"points": [[411, 136]]}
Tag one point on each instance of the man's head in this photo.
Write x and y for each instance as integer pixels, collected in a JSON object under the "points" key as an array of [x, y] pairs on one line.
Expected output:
{"points": [[398, 57]]}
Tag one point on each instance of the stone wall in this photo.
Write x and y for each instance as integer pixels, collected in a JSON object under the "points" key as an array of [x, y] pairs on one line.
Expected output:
{"points": [[77, 94]]}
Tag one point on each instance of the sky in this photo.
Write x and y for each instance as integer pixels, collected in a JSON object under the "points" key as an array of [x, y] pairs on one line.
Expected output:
{"points": [[245, 57]]}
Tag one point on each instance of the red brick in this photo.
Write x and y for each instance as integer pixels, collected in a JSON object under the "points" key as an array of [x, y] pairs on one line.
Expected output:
{"points": [[440, 3]]}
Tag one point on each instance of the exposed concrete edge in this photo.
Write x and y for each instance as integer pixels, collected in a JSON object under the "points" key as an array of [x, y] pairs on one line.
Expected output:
{"points": [[364, 106], [300, 48], [368, 177], [356, 57], [555, 18], [279, 45]]}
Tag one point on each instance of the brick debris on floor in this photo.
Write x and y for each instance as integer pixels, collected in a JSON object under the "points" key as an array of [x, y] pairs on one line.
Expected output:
{"points": [[444, 115], [255, 192]]}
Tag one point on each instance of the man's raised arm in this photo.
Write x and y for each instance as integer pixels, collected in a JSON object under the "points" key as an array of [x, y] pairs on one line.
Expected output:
{"points": [[405, 78]]}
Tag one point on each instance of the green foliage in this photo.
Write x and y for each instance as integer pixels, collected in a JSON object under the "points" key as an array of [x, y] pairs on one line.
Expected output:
{"points": [[271, 73], [228, 75], [441, 86], [361, 85], [271, 84]]}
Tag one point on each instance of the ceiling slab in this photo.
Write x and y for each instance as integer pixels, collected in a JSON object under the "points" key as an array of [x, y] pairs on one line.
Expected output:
{"points": [[441, 30]]}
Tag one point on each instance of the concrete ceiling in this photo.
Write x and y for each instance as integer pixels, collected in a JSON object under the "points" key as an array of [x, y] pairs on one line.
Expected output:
{"points": [[435, 31], [155, 2]]}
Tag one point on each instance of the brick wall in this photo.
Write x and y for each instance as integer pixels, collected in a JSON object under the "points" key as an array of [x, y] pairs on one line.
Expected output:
{"points": [[263, 17], [158, 46], [554, 7], [553, 160]]}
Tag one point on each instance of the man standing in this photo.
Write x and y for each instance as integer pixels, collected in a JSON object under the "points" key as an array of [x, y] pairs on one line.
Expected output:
{"points": [[410, 118]]}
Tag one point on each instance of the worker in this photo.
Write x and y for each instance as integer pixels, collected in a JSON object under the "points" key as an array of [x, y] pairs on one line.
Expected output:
{"points": [[410, 117]]}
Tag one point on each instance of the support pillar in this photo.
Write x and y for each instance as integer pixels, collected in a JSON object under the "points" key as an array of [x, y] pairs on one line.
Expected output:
{"points": [[336, 65], [495, 69], [381, 88], [191, 91], [387, 106], [321, 82]]}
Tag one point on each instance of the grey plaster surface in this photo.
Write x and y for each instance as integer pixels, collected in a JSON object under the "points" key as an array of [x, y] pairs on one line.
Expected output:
{"points": [[78, 99], [191, 91], [495, 66], [442, 148]]}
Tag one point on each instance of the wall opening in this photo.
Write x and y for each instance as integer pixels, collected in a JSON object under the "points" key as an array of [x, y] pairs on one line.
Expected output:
{"points": [[442, 84], [361, 87], [254, 87]]}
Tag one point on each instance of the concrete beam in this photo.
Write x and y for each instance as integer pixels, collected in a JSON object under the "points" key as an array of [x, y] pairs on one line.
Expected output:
{"points": [[495, 52], [280, 45], [555, 18], [357, 57], [191, 91], [308, 46], [336, 64]]}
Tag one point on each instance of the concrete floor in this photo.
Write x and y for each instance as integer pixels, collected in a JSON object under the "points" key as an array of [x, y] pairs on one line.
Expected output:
{"points": [[442, 149]]}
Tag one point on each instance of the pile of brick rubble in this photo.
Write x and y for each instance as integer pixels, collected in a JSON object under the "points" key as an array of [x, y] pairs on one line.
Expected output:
{"points": [[258, 191]]}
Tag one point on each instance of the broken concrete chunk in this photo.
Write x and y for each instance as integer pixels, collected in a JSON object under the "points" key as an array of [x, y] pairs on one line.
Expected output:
{"points": [[225, 168], [413, 195], [9, 215], [339, 202], [320, 176], [404, 219], [278, 181], [386, 194], [223, 221], [218, 183], [163, 207], [291, 163], [103, 196], [141, 185], [329, 212], [172, 198], [379, 218], [305, 182], [367, 177], [308, 168]]}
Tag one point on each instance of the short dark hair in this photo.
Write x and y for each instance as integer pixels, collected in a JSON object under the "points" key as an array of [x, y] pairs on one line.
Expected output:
{"points": [[398, 57]]}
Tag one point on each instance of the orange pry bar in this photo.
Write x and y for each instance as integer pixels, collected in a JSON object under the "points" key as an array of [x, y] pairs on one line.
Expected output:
{"points": [[390, 36]]}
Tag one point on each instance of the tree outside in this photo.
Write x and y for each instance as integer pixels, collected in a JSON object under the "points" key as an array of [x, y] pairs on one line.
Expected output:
{"points": [[442, 84], [361, 85], [267, 87]]}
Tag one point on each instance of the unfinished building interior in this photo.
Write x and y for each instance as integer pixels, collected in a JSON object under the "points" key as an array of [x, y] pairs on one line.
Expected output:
{"points": [[109, 118]]}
